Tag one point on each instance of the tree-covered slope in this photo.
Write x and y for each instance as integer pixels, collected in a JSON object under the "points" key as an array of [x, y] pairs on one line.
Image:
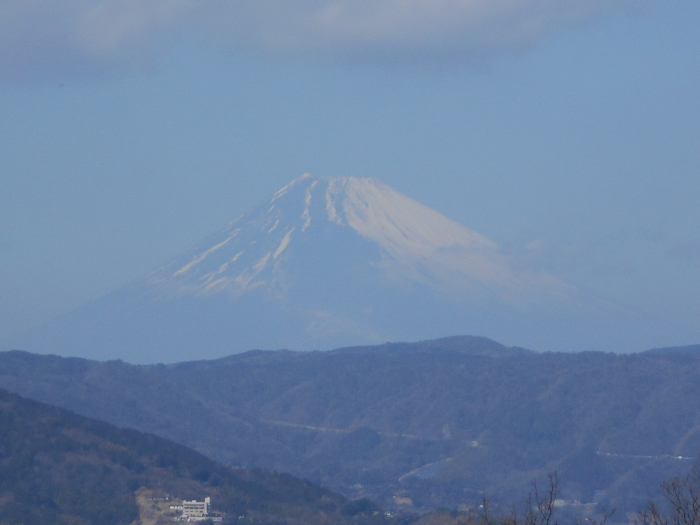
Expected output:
{"points": [[421, 425], [61, 468]]}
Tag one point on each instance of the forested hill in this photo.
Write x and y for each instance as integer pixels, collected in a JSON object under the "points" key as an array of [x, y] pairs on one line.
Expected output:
{"points": [[58, 468], [411, 425]]}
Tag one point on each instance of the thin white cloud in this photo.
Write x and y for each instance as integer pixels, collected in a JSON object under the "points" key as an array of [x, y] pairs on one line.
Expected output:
{"points": [[46, 38], [55, 37]]}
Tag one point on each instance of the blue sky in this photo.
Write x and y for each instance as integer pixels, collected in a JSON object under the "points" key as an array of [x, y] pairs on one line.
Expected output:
{"points": [[567, 131]]}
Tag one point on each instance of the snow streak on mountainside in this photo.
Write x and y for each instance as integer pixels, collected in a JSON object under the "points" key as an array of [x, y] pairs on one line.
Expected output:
{"points": [[413, 243]]}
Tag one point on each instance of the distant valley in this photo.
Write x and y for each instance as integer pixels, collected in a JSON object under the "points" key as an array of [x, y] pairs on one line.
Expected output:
{"points": [[414, 426]]}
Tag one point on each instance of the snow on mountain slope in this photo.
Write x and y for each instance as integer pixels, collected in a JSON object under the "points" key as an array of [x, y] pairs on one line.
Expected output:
{"points": [[413, 243], [330, 262]]}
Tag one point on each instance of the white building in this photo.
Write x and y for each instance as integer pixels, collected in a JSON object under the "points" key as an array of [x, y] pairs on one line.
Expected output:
{"points": [[197, 510]]}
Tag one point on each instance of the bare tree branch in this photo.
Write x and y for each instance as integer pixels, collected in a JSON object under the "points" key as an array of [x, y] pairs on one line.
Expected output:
{"points": [[681, 502]]}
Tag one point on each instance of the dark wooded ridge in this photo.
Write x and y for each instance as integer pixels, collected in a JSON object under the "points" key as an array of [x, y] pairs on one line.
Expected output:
{"points": [[436, 422]]}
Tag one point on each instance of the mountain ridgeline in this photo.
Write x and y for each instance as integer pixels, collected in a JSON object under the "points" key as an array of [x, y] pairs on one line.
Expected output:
{"points": [[325, 263], [413, 426]]}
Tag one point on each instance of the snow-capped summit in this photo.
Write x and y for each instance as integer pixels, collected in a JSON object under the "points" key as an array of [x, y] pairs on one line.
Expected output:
{"points": [[412, 243], [329, 262]]}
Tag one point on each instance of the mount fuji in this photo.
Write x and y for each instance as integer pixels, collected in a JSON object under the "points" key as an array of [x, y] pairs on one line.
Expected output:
{"points": [[330, 262]]}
